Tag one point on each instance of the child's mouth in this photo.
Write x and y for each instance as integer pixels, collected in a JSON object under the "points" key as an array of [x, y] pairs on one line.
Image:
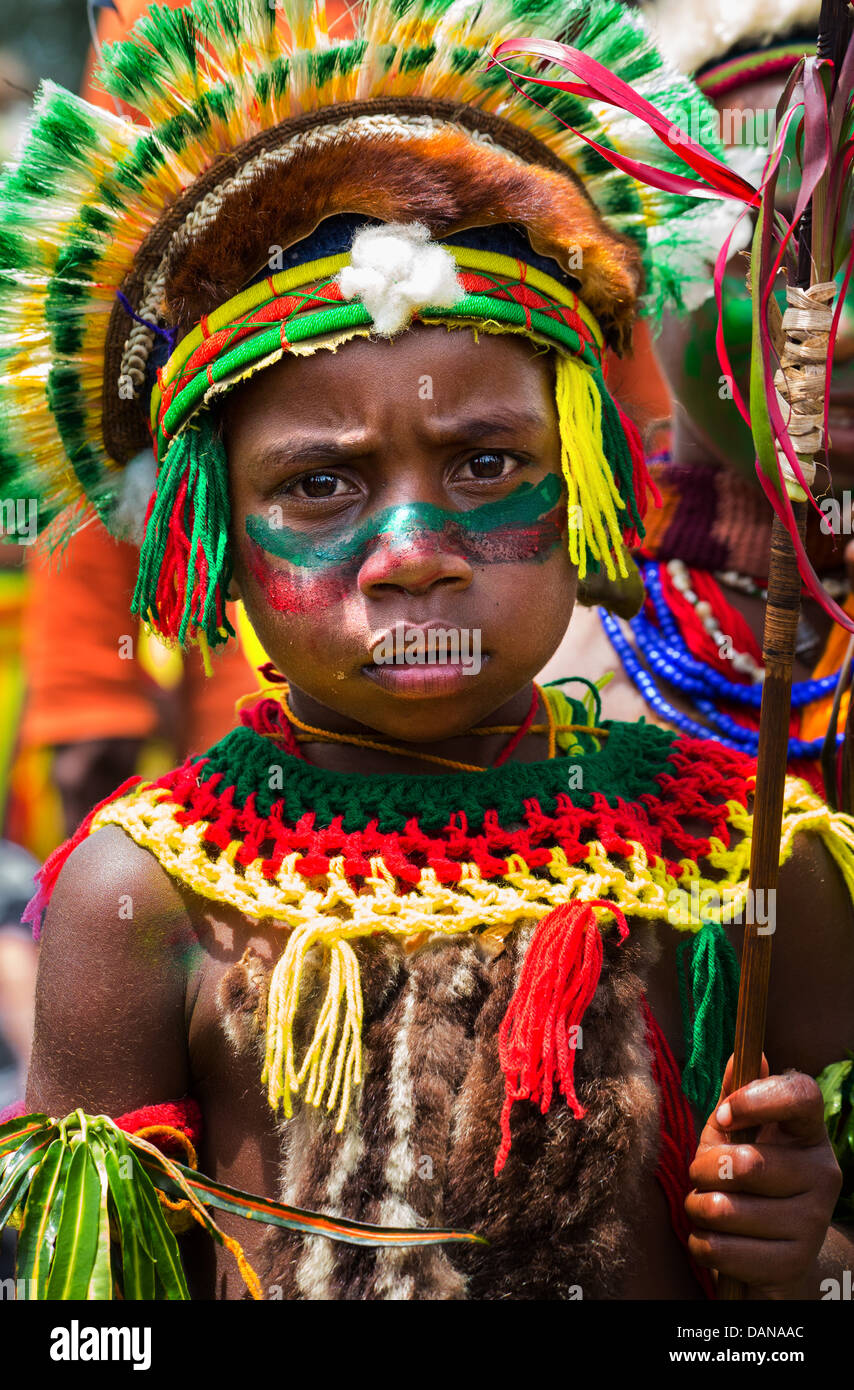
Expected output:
{"points": [[421, 659], [418, 682]]}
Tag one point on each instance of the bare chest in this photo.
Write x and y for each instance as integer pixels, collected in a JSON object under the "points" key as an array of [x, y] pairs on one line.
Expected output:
{"points": [[245, 1147]]}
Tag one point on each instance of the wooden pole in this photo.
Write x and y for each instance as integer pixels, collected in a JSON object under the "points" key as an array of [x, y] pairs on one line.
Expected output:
{"points": [[778, 651]]}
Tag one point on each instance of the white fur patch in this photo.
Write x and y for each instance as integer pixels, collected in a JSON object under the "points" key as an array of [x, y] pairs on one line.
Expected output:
{"points": [[317, 1265], [136, 485], [693, 34], [395, 270]]}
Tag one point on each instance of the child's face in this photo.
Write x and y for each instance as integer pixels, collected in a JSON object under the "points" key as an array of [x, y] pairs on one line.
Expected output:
{"points": [[393, 485]]}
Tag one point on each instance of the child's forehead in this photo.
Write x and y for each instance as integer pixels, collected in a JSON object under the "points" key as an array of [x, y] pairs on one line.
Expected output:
{"points": [[430, 369]]}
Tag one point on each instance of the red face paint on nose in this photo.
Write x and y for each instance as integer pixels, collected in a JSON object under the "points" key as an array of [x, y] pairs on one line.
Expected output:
{"points": [[392, 548]]}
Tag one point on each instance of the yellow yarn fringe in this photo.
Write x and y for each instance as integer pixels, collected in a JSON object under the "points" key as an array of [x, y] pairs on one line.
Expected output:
{"points": [[593, 499], [327, 913]]}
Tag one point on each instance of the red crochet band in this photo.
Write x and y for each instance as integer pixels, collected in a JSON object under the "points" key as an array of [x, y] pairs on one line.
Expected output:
{"points": [[183, 1115], [702, 778]]}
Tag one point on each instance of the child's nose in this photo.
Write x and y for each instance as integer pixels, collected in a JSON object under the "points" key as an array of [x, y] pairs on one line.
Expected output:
{"points": [[414, 564]]}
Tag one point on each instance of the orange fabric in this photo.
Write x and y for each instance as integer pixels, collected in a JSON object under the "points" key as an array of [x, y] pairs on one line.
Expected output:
{"points": [[638, 384], [78, 610], [80, 686], [210, 700], [816, 717]]}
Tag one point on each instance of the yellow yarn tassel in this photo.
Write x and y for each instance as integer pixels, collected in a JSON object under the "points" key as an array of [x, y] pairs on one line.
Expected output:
{"points": [[592, 495], [343, 989]]}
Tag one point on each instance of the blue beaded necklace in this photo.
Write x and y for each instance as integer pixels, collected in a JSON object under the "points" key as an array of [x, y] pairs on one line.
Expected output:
{"points": [[666, 653]]}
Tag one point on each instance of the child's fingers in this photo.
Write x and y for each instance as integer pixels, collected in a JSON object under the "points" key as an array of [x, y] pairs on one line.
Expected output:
{"points": [[772, 1263], [726, 1089], [793, 1101], [768, 1170], [739, 1214]]}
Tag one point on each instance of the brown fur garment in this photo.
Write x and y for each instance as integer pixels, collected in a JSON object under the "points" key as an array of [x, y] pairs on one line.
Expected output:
{"points": [[420, 1141], [447, 181]]}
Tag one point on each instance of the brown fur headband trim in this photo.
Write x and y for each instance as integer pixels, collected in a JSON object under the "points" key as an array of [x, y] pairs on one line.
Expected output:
{"points": [[445, 180]]}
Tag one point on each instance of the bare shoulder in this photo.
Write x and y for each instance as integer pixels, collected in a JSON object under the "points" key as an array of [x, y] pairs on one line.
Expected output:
{"points": [[810, 1018], [111, 992]]}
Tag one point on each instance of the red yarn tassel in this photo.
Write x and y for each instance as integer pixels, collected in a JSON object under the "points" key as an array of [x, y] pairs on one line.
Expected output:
{"points": [[678, 1138], [642, 483], [558, 980], [174, 568]]}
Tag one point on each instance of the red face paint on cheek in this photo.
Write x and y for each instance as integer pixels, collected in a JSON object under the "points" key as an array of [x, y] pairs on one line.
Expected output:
{"points": [[295, 591]]}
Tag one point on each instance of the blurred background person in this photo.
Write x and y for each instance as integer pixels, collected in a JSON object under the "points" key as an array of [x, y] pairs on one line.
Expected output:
{"points": [[706, 554]]}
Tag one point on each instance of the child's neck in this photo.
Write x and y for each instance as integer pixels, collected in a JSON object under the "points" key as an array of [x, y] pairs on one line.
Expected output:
{"points": [[466, 748]]}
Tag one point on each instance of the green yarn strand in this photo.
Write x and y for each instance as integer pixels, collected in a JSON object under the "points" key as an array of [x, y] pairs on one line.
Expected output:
{"points": [[175, 537], [708, 993]]}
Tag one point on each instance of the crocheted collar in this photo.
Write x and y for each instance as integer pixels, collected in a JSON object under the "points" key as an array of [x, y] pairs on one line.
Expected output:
{"points": [[585, 846], [625, 767]]}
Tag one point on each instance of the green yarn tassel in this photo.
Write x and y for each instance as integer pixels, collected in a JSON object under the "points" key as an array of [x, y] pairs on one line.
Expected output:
{"points": [[708, 992], [185, 558]]}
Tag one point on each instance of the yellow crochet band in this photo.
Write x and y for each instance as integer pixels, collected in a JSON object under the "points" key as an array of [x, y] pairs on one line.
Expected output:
{"points": [[304, 277], [329, 912]]}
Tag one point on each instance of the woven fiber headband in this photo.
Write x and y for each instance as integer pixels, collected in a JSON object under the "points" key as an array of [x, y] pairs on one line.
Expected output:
{"points": [[304, 304]]}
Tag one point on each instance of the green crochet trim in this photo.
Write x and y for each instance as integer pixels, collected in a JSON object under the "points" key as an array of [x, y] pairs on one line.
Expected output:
{"points": [[634, 755], [708, 971]]}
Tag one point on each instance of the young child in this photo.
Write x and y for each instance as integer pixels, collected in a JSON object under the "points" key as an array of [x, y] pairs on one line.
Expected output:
{"points": [[406, 934]]}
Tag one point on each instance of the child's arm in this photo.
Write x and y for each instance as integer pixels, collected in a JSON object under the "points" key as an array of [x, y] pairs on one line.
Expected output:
{"points": [[110, 1031], [762, 1212]]}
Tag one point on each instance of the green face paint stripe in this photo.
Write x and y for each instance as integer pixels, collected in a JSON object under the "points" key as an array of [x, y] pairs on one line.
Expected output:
{"points": [[525, 505]]}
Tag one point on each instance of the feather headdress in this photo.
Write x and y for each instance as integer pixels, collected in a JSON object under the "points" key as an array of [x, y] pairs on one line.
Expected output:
{"points": [[120, 242]]}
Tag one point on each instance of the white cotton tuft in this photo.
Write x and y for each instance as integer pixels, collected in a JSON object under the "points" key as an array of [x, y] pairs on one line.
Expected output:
{"points": [[692, 34], [395, 270]]}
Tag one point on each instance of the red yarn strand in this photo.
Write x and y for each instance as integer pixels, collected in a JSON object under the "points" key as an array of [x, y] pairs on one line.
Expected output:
{"points": [[678, 1138], [559, 978]]}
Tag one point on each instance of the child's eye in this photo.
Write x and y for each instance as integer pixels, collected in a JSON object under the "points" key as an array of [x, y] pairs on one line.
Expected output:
{"points": [[315, 485], [489, 465]]}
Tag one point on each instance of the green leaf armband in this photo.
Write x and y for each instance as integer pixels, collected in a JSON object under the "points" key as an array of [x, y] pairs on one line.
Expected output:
{"points": [[92, 1205]]}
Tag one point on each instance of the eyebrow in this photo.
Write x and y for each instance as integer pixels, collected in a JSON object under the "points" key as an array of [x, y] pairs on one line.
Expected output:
{"points": [[314, 448], [473, 429]]}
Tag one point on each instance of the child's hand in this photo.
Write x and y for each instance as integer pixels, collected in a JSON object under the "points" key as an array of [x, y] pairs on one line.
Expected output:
{"points": [[761, 1210]]}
